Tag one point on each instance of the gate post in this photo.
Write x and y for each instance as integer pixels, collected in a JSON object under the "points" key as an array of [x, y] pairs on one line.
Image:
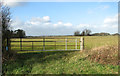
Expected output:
{"points": [[81, 43], [8, 47]]}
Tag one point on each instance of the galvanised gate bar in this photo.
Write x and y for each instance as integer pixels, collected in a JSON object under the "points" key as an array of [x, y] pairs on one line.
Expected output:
{"points": [[47, 44]]}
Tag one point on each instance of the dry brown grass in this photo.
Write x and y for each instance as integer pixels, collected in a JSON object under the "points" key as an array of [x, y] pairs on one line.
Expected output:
{"points": [[104, 55]]}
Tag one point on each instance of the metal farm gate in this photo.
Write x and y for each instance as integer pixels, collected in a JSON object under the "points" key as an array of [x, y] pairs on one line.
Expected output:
{"points": [[46, 44]]}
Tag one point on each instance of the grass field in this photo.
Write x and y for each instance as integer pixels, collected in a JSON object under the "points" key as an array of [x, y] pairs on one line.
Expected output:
{"points": [[97, 58], [90, 42], [55, 44]]}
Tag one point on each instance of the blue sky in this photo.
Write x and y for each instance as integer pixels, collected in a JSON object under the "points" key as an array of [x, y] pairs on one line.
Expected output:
{"points": [[63, 18]]}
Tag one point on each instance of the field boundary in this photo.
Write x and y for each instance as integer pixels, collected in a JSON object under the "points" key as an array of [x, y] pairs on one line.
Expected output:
{"points": [[78, 42]]}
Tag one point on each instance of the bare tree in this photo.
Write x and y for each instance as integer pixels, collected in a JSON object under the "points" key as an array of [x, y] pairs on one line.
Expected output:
{"points": [[86, 32], [6, 19], [6, 33], [83, 33]]}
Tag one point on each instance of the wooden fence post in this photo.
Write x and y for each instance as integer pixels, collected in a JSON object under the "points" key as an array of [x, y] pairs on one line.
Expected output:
{"points": [[8, 44], [66, 44], [21, 44], [81, 43]]}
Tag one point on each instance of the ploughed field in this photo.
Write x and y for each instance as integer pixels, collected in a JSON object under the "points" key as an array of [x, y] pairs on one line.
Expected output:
{"points": [[100, 56]]}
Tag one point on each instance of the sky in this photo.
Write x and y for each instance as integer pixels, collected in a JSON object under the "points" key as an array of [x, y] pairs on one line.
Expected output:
{"points": [[64, 18]]}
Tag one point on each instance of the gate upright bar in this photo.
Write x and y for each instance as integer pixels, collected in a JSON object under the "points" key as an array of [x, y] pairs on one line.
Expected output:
{"points": [[43, 43], [76, 44], [21, 44], [32, 46], [66, 44]]}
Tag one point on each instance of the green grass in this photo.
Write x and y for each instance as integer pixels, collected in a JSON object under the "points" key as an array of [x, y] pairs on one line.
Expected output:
{"points": [[48, 45], [56, 63], [90, 42], [97, 41], [62, 62]]}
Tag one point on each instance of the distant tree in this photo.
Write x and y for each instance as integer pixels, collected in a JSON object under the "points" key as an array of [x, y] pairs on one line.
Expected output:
{"points": [[104, 34], [19, 33], [86, 32], [116, 34], [77, 33], [101, 34], [83, 33], [95, 34]]}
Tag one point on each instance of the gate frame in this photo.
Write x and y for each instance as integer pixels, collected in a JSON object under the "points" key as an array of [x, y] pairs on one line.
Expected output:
{"points": [[81, 40]]}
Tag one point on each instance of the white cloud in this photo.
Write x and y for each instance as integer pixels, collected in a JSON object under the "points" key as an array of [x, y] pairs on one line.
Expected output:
{"points": [[34, 21], [55, 25], [37, 21], [13, 3], [46, 18], [17, 24], [48, 23], [111, 21], [60, 23], [110, 24], [68, 24], [43, 26]]}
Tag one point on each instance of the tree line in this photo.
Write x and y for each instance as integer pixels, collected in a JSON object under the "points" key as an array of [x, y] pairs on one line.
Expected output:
{"points": [[19, 33], [85, 32], [88, 32]]}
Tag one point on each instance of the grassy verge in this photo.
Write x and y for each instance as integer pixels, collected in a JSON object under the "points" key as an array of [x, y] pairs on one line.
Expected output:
{"points": [[68, 62], [73, 62]]}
